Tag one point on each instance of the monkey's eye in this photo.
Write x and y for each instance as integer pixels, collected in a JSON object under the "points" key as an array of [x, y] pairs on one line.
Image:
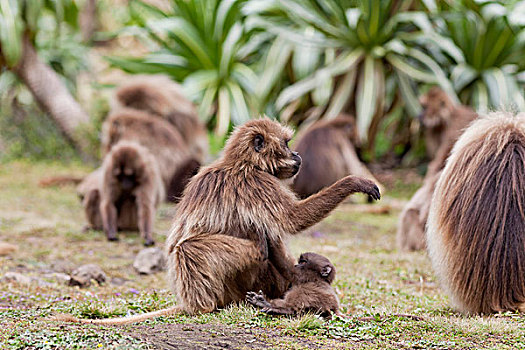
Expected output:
{"points": [[302, 261], [258, 142]]}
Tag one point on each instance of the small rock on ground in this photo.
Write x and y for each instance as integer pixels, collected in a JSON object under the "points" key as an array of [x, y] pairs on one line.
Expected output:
{"points": [[149, 260], [58, 277], [83, 275], [7, 248], [16, 278]]}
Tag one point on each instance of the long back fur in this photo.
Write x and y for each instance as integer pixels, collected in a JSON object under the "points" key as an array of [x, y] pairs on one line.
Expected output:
{"points": [[476, 227]]}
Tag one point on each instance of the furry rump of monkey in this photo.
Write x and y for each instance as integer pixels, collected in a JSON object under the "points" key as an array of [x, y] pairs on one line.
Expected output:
{"points": [[443, 123], [229, 234], [328, 155], [413, 219], [131, 186], [160, 96], [476, 225], [311, 290]]}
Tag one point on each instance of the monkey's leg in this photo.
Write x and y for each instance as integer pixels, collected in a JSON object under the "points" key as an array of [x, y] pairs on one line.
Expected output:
{"points": [[146, 211], [313, 209], [91, 203], [108, 212], [206, 269]]}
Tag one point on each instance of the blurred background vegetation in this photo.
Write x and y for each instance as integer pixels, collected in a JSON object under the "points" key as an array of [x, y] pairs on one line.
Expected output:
{"points": [[294, 60]]}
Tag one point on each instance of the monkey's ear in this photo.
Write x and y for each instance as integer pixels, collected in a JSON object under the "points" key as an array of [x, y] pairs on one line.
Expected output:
{"points": [[325, 271], [258, 142]]}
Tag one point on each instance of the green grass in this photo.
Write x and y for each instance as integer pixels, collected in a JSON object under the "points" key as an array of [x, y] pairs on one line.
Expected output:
{"points": [[392, 299]]}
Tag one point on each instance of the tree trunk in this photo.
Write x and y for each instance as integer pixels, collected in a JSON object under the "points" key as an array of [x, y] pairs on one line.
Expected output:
{"points": [[88, 20], [53, 97]]}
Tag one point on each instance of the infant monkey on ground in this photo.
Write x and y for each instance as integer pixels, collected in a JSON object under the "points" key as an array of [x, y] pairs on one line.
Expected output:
{"points": [[311, 290]]}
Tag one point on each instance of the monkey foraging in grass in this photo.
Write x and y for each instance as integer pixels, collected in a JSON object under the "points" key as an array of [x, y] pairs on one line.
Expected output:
{"points": [[476, 225], [311, 290], [443, 123], [161, 140], [131, 187], [328, 154], [229, 235]]}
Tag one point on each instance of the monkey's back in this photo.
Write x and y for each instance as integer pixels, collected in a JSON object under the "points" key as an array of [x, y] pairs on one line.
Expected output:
{"points": [[157, 135], [317, 297], [476, 226]]}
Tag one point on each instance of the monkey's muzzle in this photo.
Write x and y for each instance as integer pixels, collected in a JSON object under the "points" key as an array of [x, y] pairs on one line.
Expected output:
{"points": [[297, 162]]}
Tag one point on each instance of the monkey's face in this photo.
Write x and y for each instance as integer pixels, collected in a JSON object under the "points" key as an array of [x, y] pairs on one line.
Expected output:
{"points": [[263, 144], [313, 267], [128, 168], [437, 108]]}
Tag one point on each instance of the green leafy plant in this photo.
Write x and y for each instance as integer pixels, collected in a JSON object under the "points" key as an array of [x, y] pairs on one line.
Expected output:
{"points": [[39, 43], [377, 57], [202, 44], [489, 71], [24, 17]]}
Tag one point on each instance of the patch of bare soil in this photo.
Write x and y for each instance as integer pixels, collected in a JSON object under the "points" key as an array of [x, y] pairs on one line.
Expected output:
{"points": [[204, 336]]}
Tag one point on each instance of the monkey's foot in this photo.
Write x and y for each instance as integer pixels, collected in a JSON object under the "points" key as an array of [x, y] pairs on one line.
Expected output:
{"points": [[112, 238], [149, 242], [257, 299]]}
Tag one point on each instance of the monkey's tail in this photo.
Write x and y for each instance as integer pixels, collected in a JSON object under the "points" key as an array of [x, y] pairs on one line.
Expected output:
{"points": [[120, 320], [203, 268], [61, 180], [476, 225]]}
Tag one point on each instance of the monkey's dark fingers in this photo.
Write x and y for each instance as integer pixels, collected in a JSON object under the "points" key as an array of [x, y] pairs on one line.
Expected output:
{"points": [[374, 193], [370, 188]]}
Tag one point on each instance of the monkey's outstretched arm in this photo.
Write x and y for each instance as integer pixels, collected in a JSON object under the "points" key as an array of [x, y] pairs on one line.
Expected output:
{"points": [[313, 209]]}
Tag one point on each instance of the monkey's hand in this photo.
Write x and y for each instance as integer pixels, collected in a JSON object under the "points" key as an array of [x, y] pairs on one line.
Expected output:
{"points": [[258, 300], [365, 186]]}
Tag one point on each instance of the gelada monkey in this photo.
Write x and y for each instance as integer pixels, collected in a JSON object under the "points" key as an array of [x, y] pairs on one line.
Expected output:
{"points": [[443, 123], [476, 225], [160, 96], [233, 220], [328, 154], [311, 290], [131, 187]]}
